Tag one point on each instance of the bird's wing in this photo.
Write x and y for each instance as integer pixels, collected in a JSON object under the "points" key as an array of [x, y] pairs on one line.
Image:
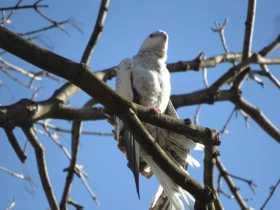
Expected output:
{"points": [[125, 136]]}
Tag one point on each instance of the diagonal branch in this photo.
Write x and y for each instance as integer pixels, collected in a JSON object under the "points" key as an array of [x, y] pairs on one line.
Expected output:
{"points": [[258, 116], [98, 28], [42, 167], [266, 72], [241, 202], [46, 28], [272, 191], [14, 143], [80, 75], [62, 93]]}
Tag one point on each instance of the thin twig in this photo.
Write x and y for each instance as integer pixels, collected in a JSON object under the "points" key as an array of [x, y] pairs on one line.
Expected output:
{"points": [[43, 29], [17, 80], [220, 29], [24, 72], [271, 193], [27, 6], [224, 129], [15, 174], [64, 130], [249, 182], [79, 169]]}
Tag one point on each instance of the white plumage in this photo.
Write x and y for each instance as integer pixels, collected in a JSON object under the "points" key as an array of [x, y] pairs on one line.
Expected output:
{"points": [[145, 80]]}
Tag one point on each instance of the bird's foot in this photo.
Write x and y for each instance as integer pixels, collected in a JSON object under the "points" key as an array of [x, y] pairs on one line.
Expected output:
{"points": [[154, 110]]}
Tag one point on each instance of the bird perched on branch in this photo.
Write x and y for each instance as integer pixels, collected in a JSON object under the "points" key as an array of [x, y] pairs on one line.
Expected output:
{"points": [[144, 79]]}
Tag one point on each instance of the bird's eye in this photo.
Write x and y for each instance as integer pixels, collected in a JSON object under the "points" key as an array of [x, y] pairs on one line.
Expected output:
{"points": [[152, 35]]}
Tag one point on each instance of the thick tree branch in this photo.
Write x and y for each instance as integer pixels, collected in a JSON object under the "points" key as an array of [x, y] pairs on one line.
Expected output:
{"points": [[195, 65], [80, 75], [68, 89], [203, 96], [76, 126], [27, 111]]}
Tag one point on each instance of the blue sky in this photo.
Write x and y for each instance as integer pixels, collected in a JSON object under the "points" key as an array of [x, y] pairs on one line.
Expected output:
{"points": [[247, 152]]}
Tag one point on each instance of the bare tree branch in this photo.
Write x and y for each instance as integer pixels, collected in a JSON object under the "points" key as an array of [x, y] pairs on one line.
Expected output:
{"points": [[208, 174], [248, 36], [271, 193], [247, 43], [15, 145], [35, 5], [249, 182], [258, 116], [64, 130], [46, 28], [77, 123], [74, 204], [74, 154], [98, 28], [241, 202], [42, 167], [15, 174], [220, 29], [268, 73], [235, 70]]}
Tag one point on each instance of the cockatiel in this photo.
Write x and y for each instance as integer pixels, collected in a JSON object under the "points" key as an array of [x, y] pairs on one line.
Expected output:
{"points": [[145, 79]]}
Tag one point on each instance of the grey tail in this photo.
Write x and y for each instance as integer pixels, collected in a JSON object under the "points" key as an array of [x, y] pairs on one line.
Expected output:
{"points": [[133, 156]]}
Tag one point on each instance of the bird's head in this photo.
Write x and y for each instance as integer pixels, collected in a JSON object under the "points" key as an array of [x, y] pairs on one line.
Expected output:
{"points": [[156, 41]]}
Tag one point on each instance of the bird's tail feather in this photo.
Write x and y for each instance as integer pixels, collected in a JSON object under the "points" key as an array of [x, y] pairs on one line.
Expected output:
{"points": [[173, 196]]}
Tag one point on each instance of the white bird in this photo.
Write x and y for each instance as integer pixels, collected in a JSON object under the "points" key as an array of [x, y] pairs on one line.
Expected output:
{"points": [[145, 79]]}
